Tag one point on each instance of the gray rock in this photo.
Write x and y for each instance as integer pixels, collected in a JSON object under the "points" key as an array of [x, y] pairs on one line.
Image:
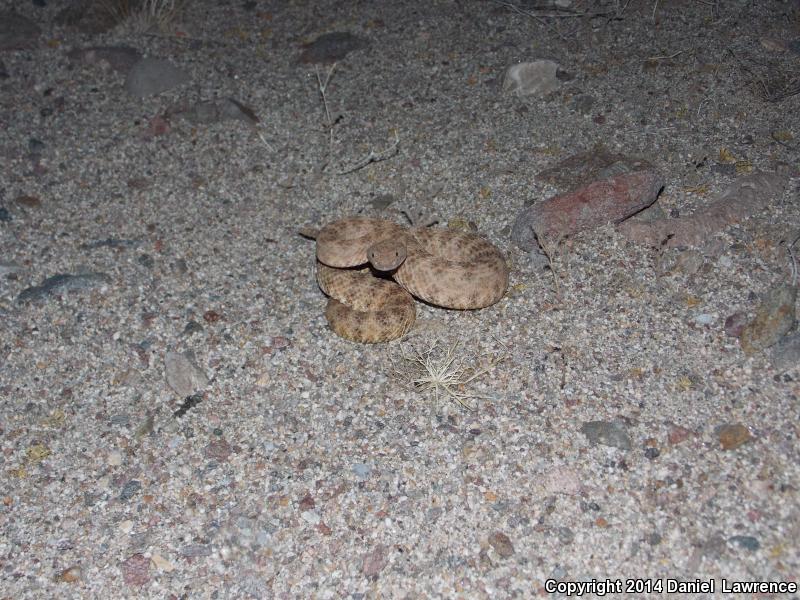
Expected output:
{"points": [[130, 490], [152, 76], [583, 104], [195, 550], [537, 78], [607, 433], [361, 470], [786, 353], [17, 32], [183, 375], [332, 47], [774, 319], [61, 283], [227, 109], [748, 542]]}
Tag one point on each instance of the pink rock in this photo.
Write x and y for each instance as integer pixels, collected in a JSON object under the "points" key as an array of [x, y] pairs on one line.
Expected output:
{"points": [[607, 201], [678, 434], [136, 570], [740, 200], [375, 561], [219, 450]]}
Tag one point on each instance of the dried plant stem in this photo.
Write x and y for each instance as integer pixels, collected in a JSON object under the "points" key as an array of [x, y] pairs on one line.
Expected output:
{"points": [[550, 251], [323, 87], [374, 156], [442, 375]]}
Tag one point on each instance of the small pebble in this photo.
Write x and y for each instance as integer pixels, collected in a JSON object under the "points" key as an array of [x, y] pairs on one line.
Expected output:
{"points": [[61, 283], [70, 575], [309, 516], [183, 375], [747, 542], [332, 47], [653, 539], [130, 490], [607, 433], [785, 354], [733, 435], [735, 323], [678, 434], [652, 453], [375, 561], [774, 318], [162, 564], [537, 78], [136, 570], [361, 470], [28, 201], [195, 550], [501, 544]]}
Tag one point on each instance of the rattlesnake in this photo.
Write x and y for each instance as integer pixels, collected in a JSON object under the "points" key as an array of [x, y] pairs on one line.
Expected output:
{"points": [[443, 267]]}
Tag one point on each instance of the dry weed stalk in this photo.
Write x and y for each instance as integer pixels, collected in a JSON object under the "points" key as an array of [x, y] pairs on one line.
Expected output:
{"points": [[323, 86], [372, 156], [550, 249], [442, 374], [144, 16]]}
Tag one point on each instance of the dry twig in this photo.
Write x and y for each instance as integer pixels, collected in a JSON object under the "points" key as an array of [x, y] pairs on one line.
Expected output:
{"points": [[374, 156], [323, 86]]}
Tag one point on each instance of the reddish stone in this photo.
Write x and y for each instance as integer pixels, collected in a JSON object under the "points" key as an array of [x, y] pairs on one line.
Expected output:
{"points": [[307, 503], [608, 201], [136, 570], [218, 450], [375, 561], [742, 198], [732, 436], [501, 544], [28, 201], [324, 529], [678, 434], [157, 126], [211, 316]]}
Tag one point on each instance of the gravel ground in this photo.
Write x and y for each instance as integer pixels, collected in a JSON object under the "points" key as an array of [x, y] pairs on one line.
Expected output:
{"points": [[615, 431]]}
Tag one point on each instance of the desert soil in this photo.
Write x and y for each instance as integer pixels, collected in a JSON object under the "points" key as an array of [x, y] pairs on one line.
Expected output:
{"points": [[178, 421]]}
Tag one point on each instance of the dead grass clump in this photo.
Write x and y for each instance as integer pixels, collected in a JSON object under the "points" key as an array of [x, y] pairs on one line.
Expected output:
{"points": [[144, 16], [441, 372]]}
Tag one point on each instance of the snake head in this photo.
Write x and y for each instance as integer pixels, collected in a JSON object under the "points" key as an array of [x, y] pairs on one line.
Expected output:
{"points": [[387, 254]]}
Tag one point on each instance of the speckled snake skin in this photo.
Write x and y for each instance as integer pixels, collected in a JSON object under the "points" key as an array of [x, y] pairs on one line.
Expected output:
{"points": [[447, 268]]}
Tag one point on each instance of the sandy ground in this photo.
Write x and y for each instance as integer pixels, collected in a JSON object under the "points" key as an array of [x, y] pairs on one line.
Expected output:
{"points": [[305, 467]]}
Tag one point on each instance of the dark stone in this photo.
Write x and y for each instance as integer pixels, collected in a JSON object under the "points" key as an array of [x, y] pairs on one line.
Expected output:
{"points": [[17, 32], [332, 47], [130, 490], [61, 283], [607, 433], [748, 542]]}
